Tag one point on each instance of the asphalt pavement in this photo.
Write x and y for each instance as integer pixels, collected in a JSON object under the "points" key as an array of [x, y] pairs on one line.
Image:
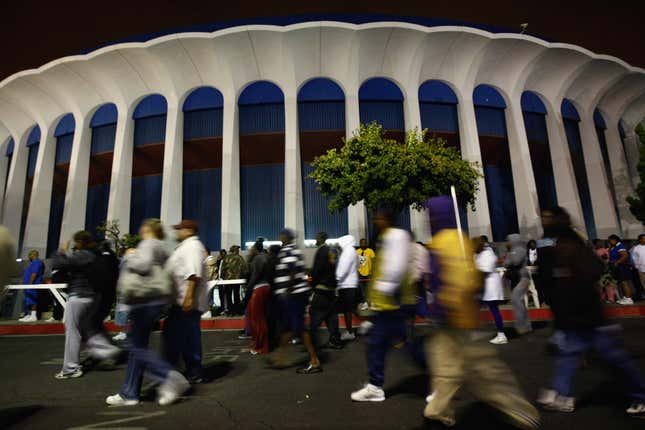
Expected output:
{"points": [[242, 393]]}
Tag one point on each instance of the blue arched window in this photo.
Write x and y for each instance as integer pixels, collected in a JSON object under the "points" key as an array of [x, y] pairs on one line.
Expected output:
{"points": [[261, 122], [202, 177], [496, 159], [8, 153], [147, 164], [103, 125], [381, 100], [534, 113], [321, 122], [571, 119], [64, 134]]}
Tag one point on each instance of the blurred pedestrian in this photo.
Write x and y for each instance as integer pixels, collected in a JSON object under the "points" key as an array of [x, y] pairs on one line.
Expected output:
{"points": [[146, 289], [258, 284], [33, 275], [518, 275], [620, 263], [578, 313], [366, 258], [486, 262], [182, 330], [79, 263], [348, 285], [390, 289]]}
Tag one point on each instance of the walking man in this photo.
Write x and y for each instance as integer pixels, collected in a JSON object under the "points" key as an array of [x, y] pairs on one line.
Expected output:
{"points": [[347, 279], [33, 275], [182, 332], [366, 258]]}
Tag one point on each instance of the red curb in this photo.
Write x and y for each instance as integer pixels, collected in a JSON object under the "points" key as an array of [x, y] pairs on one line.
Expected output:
{"points": [[543, 314]]}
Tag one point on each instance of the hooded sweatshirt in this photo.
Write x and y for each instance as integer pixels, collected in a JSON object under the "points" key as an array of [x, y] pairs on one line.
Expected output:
{"points": [[347, 265], [516, 258]]}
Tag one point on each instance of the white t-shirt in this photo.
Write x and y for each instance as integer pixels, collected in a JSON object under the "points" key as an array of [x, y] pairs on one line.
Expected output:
{"points": [[185, 262], [638, 255]]}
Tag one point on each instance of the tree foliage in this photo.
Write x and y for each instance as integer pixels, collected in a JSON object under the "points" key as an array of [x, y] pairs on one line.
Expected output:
{"points": [[637, 202], [385, 173], [112, 233]]}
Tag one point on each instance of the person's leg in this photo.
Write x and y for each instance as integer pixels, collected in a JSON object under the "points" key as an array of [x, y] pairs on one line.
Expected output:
{"points": [[317, 314], [522, 322], [192, 353], [258, 319], [74, 313], [566, 363], [221, 290], [446, 367], [604, 342], [497, 316], [377, 346], [173, 336], [237, 307], [490, 380], [331, 320], [140, 329], [228, 298]]}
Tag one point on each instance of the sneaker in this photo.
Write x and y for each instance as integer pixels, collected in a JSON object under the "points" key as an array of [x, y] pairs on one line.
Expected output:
{"points": [[500, 339], [625, 301], [117, 400], [365, 327], [430, 397], [244, 337], [29, 318], [120, 336], [50, 320], [335, 345], [172, 388], [76, 373], [363, 307], [369, 393], [552, 401], [347, 336], [636, 409], [207, 315]]}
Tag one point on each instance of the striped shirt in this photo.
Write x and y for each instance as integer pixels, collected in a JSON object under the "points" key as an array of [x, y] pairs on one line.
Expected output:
{"points": [[291, 261]]}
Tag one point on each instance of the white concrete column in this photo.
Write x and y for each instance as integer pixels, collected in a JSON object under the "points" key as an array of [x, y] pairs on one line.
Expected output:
{"points": [[601, 199], [294, 217], [564, 175], [121, 179], [15, 191], [4, 166], [479, 219], [632, 145], [526, 198], [419, 221], [173, 167], [79, 166], [37, 225], [231, 216], [356, 214], [620, 172]]}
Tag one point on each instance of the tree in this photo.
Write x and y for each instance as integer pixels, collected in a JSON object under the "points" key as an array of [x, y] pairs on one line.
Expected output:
{"points": [[384, 173], [637, 202], [120, 243]]}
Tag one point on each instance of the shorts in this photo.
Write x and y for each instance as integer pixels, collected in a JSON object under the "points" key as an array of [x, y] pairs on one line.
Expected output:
{"points": [[347, 299], [292, 312], [623, 273]]}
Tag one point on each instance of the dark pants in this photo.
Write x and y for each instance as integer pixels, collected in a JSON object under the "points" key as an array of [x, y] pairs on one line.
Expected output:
{"points": [[232, 297], [183, 340], [604, 343], [388, 330], [323, 309], [141, 359]]}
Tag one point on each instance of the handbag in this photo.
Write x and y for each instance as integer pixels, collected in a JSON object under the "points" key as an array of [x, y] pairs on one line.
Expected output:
{"points": [[134, 288]]}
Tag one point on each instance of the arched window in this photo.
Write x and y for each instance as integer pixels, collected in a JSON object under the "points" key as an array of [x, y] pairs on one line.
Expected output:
{"points": [[534, 113], [321, 123], [381, 100], [8, 153], [261, 120], [64, 134], [202, 177], [496, 159], [147, 161], [103, 125], [571, 119]]}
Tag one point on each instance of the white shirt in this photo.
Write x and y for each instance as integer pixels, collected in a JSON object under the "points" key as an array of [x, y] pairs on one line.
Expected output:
{"points": [[638, 255], [486, 261], [185, 262], [532, 256]]}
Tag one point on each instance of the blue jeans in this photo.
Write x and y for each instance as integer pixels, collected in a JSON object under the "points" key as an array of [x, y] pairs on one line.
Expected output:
{"points": [[388, 330], [603, 343], [141, 359], [183, 340]]}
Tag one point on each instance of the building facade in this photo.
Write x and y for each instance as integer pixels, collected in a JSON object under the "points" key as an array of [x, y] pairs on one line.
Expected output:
{"points": [[222, 127]]}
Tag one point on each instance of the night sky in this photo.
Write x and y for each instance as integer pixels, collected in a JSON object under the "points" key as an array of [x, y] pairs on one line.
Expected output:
{"points": [[35, 32]]}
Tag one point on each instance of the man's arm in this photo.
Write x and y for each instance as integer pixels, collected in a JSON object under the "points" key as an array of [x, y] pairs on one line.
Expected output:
{"points": [[187, 306]]}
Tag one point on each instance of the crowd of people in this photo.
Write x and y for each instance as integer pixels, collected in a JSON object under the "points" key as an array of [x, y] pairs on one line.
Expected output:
{"points": [[387, 289]]}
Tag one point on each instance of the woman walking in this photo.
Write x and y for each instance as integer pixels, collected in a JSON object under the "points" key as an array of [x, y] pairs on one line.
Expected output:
{"points": [[517, 273], [259, 277], [486, 262], [146, 306]]}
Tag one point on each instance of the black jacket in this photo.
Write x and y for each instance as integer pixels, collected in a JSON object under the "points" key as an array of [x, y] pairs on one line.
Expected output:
{"points": [[572, 271], [79, 267], [323, 272]]}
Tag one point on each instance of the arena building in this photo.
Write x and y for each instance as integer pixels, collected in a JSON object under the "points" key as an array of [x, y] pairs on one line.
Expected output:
{"points": [[221, 126]]}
